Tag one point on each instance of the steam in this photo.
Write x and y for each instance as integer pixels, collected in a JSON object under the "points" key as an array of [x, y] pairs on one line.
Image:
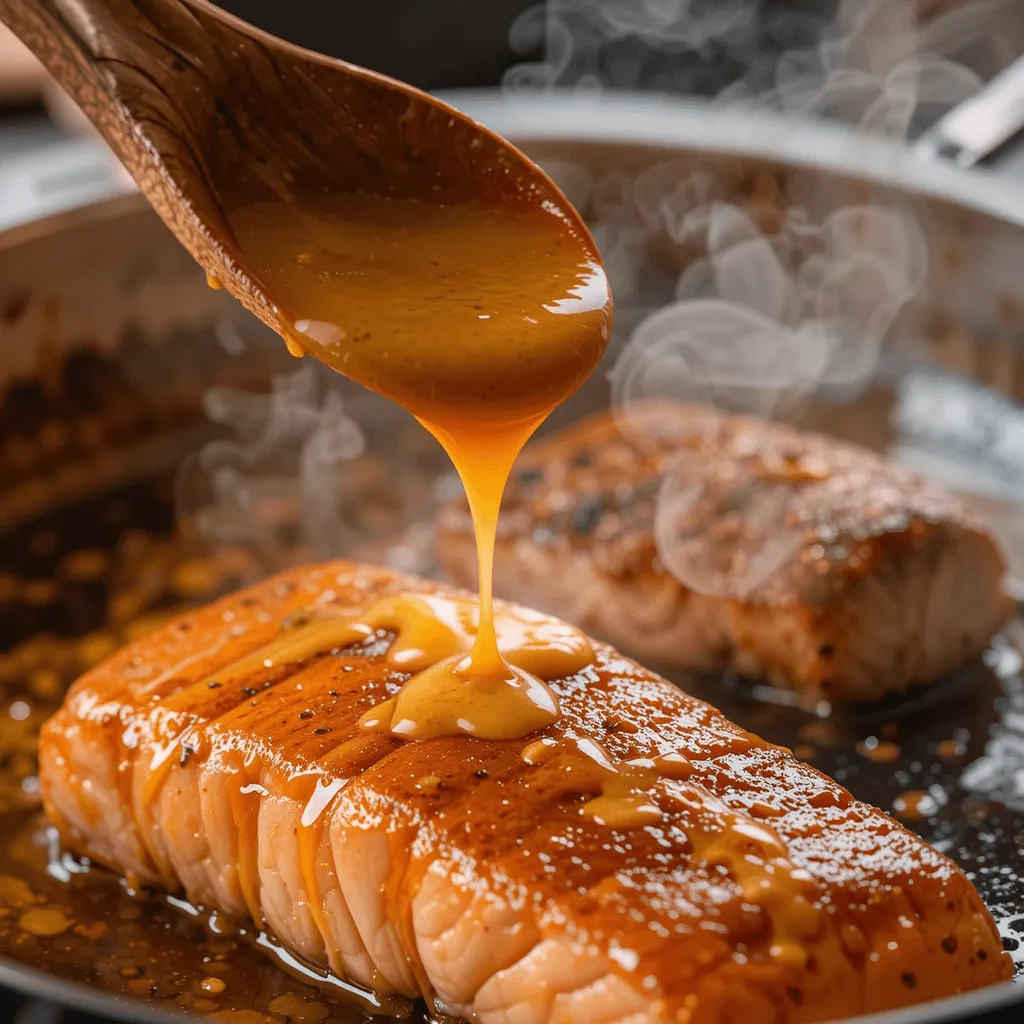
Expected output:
{"points": [[315, 468], [717, 535], [762, 321], [773, 301], [277, 478], [868, 62]]}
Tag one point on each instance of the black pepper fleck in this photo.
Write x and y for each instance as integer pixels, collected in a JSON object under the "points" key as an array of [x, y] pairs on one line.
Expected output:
{"points": [[323, 730], [249, 691], [306, 714], [186, 753], [481, 773], [796, 995], [333, 693], [949, 945], [214, 686], [908, 979]]}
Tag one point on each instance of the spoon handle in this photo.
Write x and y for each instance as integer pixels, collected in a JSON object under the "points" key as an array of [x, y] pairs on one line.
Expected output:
{"points": [[137, 69]]}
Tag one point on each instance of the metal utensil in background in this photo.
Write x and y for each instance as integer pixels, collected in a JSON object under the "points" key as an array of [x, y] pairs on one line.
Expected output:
{"points": [[978, 128]]}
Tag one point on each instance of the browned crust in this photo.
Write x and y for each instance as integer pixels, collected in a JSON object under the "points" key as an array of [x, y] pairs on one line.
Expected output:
{"points": [[858, 527]]}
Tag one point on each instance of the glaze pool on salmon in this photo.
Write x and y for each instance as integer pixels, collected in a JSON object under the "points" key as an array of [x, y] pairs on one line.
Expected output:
{"points": [[433, 637]]}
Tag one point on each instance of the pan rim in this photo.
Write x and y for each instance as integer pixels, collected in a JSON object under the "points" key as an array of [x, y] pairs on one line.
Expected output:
{"points": [[960, 1008], [645, 120], [36, 983], [649, 121], [79, 995]]}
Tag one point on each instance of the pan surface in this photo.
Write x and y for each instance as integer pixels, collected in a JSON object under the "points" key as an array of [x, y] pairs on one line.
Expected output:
{"points": [[99, 568]]}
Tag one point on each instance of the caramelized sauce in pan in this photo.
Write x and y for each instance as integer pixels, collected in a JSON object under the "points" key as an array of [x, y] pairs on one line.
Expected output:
{"points": [[478, 320], [57, 914]]}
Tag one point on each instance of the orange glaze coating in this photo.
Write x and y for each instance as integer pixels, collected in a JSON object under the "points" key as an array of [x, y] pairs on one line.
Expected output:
{"points": [[467, 869]]}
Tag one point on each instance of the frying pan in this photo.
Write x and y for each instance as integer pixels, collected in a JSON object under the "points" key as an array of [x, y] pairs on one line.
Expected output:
{"points": [[105, 286]]}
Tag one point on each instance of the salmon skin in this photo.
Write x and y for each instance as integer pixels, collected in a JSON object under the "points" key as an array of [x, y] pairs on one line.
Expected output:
{"points": [[816, 565], [464, 871]]}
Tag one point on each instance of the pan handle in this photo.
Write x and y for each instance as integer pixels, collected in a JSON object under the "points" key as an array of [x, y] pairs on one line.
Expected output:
{"points": [[978, 127]]}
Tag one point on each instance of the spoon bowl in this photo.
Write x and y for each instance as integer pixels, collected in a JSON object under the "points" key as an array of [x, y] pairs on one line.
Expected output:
{"points": [[212, 116]]}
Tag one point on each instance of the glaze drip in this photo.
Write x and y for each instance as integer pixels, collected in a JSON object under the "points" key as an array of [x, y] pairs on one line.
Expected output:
{"points": [[478, 319]]}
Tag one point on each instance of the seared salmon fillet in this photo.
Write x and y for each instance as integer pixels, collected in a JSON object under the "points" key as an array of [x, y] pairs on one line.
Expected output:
{"points": [[463, 870], [817, 565]]}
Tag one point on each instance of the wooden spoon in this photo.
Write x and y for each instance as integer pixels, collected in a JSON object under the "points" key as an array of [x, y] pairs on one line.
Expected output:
{"points": [[210, 114]]}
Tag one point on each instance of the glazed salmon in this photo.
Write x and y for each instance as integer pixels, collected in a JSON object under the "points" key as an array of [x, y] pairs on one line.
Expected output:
{"points": [[817, 565], [750, 889]]}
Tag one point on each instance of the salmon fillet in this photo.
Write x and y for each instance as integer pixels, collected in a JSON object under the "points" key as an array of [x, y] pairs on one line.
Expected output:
{"points": [[814, 564], [457, 870]]}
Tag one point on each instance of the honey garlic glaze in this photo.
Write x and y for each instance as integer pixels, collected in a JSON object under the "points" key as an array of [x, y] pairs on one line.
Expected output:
{"points": [[478, 319]]}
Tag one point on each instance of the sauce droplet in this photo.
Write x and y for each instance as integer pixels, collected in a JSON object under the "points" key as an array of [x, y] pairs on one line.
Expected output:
{"points": [[915, 805], [44, 921], [951, 750], [540, 751], [294, 346], [879, 751]]}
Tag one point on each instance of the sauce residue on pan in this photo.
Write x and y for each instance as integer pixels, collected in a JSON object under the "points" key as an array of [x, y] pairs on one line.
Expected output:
{"points": [[478, 319]]}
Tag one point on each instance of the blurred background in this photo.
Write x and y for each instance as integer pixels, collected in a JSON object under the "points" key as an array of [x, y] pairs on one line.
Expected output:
{"points": [[789, 53]]}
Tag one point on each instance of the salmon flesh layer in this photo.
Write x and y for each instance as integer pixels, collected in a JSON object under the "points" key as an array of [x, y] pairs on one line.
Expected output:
{"points": [[712, 542], [459, 870]]}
